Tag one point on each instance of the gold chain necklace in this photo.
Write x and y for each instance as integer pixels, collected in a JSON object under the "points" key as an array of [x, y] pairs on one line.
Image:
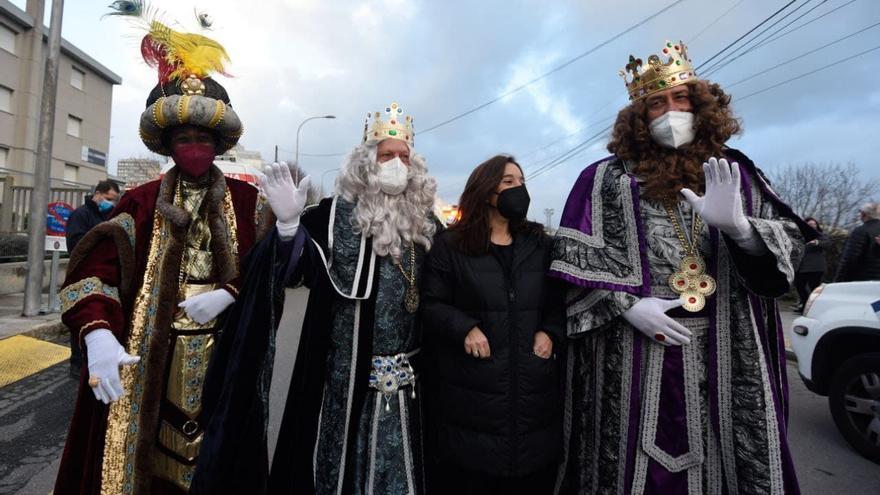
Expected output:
{"points": [[690, 281], [183, 275], [411, 298]]}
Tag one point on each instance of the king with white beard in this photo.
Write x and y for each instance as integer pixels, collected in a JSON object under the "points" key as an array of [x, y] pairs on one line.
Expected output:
{"points": [[352, 419]]}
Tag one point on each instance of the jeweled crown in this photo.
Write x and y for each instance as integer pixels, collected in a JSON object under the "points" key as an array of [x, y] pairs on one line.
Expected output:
{"points": [[395, 125], [642, 80]]}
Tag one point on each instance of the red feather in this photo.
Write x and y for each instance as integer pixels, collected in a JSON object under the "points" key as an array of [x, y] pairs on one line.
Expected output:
{"points": [[155, 55]]}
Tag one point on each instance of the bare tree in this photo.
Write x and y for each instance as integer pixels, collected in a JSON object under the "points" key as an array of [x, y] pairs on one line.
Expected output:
{"points": [[830, 192]]}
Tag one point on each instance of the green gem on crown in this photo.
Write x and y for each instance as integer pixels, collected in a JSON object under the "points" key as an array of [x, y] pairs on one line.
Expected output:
{"points": [[392, 132], [669, 45]]}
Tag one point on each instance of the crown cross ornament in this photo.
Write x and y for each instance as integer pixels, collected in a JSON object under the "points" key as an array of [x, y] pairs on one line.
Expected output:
{"points": [[642, 80], [395, 125]]}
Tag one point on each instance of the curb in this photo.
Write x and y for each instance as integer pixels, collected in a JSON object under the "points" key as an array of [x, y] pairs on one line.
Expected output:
{"points": [[52, 331]]}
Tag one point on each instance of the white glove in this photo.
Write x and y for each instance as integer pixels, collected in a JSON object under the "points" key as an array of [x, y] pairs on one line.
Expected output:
{"points": [[205, 307], [286, 199], [721, 206], [649, 317], [105, 355]]}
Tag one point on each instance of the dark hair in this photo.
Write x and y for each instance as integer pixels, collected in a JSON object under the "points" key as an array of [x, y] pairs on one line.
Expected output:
{"points": [[664, 170], [818, 225], [472, 231], [105, 186]]}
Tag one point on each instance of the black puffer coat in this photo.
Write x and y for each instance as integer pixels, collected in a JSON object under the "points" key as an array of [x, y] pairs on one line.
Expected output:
{"points": [[861, 255], [502, 415]]}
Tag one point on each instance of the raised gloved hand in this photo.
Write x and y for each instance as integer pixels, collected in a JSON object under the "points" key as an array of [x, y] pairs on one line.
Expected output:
{"points": [[286, 199], [649, 317], [721, 206], [204, 307], [104, 356]]}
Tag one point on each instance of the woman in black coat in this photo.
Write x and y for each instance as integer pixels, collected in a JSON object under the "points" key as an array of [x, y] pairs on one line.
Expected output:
{"points": [[493, 324], [812, 267]]}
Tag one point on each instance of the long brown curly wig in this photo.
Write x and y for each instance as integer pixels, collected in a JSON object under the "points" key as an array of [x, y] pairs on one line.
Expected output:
{"points": [[665, 171]]}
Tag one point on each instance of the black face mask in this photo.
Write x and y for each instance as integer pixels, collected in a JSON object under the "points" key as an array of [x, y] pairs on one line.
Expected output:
{"points": [[513, 203]]}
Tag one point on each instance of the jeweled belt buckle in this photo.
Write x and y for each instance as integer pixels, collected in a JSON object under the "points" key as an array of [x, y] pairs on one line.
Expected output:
{"points": [[390, 374]]}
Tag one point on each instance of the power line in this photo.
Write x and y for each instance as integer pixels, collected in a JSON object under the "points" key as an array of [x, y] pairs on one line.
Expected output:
{"points": [[697, 36], [805, 74], [770, 69], [805, 24], [571, 153], [577, 149], [732, 56], [727, 61], [553, 70], [747, 33]]}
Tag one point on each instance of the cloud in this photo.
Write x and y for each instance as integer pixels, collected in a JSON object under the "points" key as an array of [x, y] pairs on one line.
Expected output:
{"points": [[293, 59]]}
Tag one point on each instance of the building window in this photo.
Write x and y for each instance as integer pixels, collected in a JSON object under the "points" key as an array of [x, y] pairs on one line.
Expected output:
{"points": [[74, 125], [77, 78], [4, 156], [71, 173], [5, 99], [7, 39]]}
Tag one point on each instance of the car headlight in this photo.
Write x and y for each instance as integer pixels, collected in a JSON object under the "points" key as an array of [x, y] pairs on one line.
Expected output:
{"points": [[812, 298]]}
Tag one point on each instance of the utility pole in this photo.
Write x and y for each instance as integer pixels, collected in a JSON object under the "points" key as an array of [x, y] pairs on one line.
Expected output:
{"points": [[33, 287], [276, 153], [549, 213]]}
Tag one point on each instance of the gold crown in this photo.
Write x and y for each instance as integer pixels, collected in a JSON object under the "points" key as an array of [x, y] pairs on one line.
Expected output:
{"points": [[395, 125], [657, 76]]}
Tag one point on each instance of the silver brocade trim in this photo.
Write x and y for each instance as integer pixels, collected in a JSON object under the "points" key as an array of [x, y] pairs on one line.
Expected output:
{"points": [[713, 462], [374, 433], [777, 484], [407, 451], [351, 380], [588, 301], [597, 240], [598, 390], [626, 365], [723, 350], [693, 416]]}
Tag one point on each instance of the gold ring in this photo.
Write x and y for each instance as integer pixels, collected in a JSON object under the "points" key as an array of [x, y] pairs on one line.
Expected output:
{"points": [[94, 381]]}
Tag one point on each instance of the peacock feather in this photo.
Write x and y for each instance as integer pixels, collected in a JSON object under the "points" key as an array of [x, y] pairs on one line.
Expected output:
{"points": [[134, 8], [175, 54]]}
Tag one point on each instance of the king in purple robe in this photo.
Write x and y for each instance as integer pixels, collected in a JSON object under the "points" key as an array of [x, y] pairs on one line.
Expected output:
{"points": [[675, 249]]}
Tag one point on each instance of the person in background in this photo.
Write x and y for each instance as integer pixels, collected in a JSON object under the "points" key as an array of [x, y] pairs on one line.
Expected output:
{"points": [[94, 211], [861, 255], [493, 324], [812, 267]]}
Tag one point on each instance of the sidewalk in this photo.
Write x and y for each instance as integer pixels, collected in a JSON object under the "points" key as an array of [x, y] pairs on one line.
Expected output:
{"points": [[43, 326]]}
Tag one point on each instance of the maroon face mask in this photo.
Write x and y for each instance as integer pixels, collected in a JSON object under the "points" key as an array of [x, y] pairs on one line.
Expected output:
{"points": [[194, 159]]}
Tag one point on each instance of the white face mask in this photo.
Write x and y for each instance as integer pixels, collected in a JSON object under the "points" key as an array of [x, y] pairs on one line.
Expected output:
{"points": [[673, 129], [393, 176]]}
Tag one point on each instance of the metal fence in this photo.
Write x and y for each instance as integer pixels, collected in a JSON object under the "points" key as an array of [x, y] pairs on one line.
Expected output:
{"points": [[15, 202]]}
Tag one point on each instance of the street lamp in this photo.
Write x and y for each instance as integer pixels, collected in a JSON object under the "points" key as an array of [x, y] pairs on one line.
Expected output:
{"points": [[322, 178], [300, 127]]}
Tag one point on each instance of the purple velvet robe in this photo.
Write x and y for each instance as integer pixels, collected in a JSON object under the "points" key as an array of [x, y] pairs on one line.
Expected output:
{"points": [[709, 417]]}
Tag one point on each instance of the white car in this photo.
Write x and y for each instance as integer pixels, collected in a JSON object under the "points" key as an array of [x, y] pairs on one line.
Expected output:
{"points": [[837, 344]]}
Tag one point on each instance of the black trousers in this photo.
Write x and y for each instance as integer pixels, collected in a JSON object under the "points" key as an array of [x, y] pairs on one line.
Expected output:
{"points": [[805, 282], [453, 479]]}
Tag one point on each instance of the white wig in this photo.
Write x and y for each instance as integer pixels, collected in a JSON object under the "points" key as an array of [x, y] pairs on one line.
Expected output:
{"points": [[392, 221]]}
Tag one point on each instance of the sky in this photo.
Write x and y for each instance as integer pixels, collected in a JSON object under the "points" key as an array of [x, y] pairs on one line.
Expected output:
{"points": [[294, 59]]}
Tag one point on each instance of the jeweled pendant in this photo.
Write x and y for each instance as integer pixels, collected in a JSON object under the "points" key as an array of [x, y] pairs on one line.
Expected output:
{"points": [[411, 299], [692, 301]]}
